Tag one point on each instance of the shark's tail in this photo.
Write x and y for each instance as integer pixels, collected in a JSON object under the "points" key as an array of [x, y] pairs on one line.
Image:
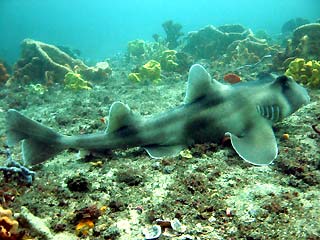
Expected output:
{"points": [[39, 143]]}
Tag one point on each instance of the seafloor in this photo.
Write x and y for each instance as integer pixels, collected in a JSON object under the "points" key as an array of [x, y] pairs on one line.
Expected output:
{"points": [[214, 193]]}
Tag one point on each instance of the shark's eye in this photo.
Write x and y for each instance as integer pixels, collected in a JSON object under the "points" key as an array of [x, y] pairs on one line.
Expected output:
{"points": [[283, 80]]}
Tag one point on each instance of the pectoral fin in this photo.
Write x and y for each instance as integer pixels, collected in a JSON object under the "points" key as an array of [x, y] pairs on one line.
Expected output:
{"points": [[258, 145], [159, 151]]}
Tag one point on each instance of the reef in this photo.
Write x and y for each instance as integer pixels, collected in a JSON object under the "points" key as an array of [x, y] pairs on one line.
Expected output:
{"points": [[173, 32], [206, 192], [289, 26], [148, 72], [247, 51], [228, 44], [39, 227], [305, 43], [136, 48], [75, 81], [4, 76], [47, 64], [14, 171], [306, 72], [9, 227], [213, 41], [168, 60]]}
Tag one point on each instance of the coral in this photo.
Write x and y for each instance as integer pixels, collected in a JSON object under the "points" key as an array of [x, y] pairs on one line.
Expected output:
{"points": [[38, 57], [8, 225], [38, 226], [289, 26], [15, 171], [231, 78], [38, 88], [306, 41], [211, 42], [74, 81], [228, 44], [72, 52], [85, 219], [4, 76], [134, 77], [173, 32], [151, 70], [92, 212], [168, 60], [148, 72], [47, 64], [306, 72], [136, 48], [83, 227], [100, 72], [247, 51]]}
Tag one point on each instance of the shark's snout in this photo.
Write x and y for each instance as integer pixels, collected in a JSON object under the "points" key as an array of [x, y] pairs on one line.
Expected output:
{"points": [[306, 96], [301, 95]]}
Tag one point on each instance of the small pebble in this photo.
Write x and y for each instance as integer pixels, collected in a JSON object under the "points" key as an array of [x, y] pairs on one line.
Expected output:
{"points": [[152, 233], [285, 136], [177, 226]]}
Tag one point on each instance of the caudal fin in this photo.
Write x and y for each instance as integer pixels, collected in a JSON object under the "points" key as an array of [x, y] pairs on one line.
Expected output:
{"points": [[39, 143]]}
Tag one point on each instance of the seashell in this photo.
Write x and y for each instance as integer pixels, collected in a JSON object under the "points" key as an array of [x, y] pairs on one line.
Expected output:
{"points": [[152, 233], [177, 226]]}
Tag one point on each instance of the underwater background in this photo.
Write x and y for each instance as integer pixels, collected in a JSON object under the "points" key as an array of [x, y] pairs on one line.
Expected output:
{"points": [[102, 28], [64, 63]]}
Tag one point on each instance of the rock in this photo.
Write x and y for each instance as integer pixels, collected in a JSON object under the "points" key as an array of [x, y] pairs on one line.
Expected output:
{"points": [[45, 63], [212, 41], [306, 41], [289, 26]]}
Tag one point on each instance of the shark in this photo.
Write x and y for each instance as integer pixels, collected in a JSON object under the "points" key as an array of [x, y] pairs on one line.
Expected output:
{"points": [[244, 112]]}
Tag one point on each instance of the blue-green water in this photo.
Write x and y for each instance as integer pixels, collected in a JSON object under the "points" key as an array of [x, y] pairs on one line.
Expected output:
{"points": [[102, 28]]}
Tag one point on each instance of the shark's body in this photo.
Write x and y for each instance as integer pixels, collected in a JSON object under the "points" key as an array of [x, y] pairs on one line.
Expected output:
{"points": [[245, 112]]}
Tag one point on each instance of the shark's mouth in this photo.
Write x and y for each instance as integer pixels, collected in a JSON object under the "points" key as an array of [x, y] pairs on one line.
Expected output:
{"points": [[270, 112]]}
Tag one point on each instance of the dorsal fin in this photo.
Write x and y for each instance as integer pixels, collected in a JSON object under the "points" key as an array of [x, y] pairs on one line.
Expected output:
{"points": [[120, 115], [200, 84]]}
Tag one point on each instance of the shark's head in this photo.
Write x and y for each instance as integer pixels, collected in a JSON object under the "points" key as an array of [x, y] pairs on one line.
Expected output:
{"points": [[294, 95]]}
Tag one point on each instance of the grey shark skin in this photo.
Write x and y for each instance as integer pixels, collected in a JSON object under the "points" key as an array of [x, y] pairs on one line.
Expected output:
{"points": [[211, 110]]}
